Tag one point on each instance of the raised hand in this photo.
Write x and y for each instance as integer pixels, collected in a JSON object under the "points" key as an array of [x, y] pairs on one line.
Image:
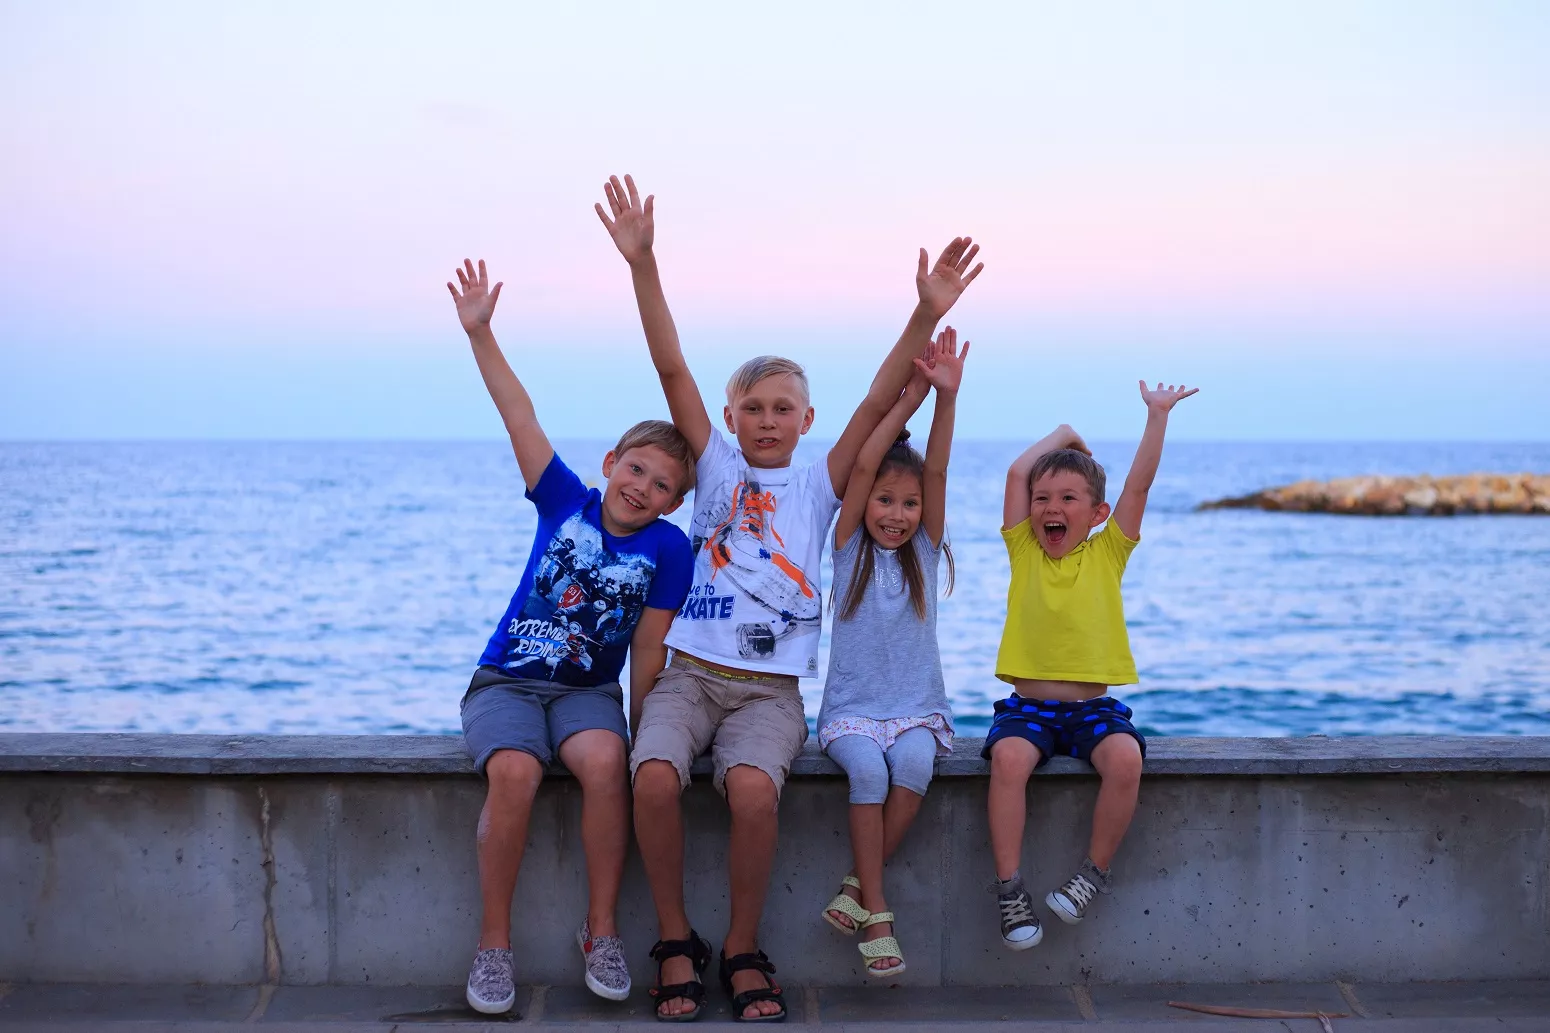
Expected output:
{"points": [[476, 301], [942, 363], [940, 287], [1163, 399], [632, 225]]}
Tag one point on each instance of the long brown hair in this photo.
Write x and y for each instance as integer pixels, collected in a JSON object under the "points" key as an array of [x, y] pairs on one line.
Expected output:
{"points": [[900, 456]]}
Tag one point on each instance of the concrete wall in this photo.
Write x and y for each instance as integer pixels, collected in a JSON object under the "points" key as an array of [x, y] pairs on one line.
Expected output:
{"points": [[315, 860]]}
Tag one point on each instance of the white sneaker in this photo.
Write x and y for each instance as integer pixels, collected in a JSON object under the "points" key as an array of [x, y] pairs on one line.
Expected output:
{"points": [[607, 973], [492, 987]]}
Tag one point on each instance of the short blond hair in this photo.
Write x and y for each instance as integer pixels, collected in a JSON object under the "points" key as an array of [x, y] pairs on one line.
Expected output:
{"points": [[663, 435], [758, 368]]}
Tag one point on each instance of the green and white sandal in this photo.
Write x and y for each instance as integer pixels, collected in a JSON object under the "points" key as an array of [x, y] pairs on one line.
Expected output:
{"points": [[882, 947], [847, 906]]}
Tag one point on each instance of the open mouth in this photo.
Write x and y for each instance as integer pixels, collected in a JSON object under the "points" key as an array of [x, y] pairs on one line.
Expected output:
{"points": [[632, 503], [891, 534], [1054, 532], [766, 442]]}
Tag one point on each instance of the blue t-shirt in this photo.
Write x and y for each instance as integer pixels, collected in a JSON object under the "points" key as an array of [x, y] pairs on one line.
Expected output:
{"points": [[582, 593]]}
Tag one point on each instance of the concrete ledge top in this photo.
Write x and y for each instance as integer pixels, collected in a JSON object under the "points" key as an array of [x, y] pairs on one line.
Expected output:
{"points": [[138, 753]]}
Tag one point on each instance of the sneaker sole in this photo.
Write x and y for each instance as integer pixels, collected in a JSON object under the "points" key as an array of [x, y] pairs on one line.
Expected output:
{"points": [[596, 987], [1022, 945], [1061, 911], [486, 1007]]}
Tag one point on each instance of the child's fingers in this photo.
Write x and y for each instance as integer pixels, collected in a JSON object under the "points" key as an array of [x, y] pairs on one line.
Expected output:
{"points": [[629, 182], [606, 220], [453, 289], [462, 278], [649, 198], [495, 295], [484, 277], [921, 365], [965, 353], [963, 263], [973, 273], [619, 193], [613, 199], [469, 266], [920, 270]]}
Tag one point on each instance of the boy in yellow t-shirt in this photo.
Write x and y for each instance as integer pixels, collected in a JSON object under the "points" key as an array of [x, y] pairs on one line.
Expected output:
{"points": [[1063, 646]]}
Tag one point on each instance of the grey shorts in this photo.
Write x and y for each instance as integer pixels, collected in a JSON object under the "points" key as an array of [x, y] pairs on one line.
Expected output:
{"points": [[505, 713], [754, 721]]}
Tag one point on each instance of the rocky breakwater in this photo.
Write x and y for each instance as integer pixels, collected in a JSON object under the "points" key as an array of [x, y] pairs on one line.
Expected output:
{"points": [[1521, 493]]}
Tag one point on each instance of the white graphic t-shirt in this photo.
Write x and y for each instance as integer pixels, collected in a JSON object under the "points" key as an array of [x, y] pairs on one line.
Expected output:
{"points": [[756, 601]]}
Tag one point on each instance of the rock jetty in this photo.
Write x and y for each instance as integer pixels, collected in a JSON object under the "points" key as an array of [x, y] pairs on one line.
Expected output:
{"points": [[1404, 496]]}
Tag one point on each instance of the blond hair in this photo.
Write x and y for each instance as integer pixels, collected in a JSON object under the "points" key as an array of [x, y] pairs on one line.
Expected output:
{"points": [[663, 435], [758, 368], [1079, 463]]}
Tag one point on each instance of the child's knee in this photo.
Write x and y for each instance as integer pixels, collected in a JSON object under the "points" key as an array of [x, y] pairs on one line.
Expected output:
{"points": [[751, 793], [1118, 759], [865, 767], [513, 773], [1013, 760], [912, 761], [657, 784], [594, 757]]}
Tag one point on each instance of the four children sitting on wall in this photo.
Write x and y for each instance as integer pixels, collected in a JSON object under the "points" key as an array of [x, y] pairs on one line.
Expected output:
{"points": [[739, 602]]}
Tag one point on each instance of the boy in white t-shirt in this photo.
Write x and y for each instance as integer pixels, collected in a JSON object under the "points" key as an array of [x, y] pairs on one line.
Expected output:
{"points": [[750, 627]]}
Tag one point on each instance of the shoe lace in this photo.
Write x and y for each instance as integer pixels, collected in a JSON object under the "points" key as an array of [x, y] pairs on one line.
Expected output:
{"points": [[1079, 890], [1016, 908]]}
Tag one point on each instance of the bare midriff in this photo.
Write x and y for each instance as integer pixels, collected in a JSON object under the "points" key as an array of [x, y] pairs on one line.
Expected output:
{"points": [[1065, 691]]}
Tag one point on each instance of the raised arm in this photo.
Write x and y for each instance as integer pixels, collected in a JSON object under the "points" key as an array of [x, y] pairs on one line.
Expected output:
{"points": [[648, 656], [1143, 469], [475, 305], [633, 229], [863, 472], [938, 289], [1014, 505], [942, 365]]}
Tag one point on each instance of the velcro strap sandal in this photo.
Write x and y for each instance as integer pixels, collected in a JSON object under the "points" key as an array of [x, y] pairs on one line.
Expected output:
{"points": [[760, 962], [880, 948], [848, 906], [697, 950]]}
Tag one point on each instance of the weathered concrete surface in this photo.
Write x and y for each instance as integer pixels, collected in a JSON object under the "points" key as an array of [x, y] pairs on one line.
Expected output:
{"points": [[1500, 1006], [136, 753], [1255, 860], [1520, 493]]}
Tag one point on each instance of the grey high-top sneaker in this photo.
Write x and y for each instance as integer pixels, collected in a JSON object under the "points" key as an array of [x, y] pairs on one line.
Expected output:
{"points": [[1071, 901], [492, 987], [1020, 928]]}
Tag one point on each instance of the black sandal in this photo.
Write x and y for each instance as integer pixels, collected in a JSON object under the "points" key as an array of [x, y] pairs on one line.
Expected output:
{"points": [[740, 962], [697, 950]]}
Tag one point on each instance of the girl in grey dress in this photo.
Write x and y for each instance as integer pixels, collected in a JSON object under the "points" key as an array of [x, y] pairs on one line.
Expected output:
{"points": [[885, 714]]}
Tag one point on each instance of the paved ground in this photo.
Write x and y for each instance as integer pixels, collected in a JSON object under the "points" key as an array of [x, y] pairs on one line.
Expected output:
{"points": [[1502, 1007]]}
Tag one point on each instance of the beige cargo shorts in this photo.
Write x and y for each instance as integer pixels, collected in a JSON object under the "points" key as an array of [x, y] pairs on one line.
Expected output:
{"points": [[754, 721]]}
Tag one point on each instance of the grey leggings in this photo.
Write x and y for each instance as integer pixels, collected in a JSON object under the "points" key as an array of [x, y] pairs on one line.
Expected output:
{"points": [[906, 764]]}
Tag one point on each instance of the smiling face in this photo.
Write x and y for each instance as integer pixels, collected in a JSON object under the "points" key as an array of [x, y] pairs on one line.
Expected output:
{"points": [[893, 508], [769, 419], [643, 484], [1062, 510]]}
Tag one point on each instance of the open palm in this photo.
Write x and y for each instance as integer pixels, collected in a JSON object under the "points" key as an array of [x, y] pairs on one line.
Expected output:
{"points": [[476, 301], [940, 288], [632, 225], [942, 363], [1164, 398]]}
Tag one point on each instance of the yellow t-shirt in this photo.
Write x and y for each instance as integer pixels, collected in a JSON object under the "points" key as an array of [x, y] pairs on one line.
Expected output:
{"points": [[1065, 620]]}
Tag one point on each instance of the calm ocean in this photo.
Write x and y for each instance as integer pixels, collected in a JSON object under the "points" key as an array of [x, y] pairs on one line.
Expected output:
{"points": [[300, 587]]}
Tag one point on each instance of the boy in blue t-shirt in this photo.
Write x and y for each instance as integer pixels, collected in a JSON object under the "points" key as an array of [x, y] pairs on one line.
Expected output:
{"points": [[605, 576]]}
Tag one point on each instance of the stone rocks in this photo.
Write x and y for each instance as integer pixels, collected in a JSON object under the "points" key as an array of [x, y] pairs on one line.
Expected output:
{"points": [[1521, 493]]}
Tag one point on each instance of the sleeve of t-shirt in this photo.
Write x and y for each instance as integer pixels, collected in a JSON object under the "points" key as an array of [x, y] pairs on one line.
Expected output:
{"points": [[558, 491], [1112, 541], [818, 486], [1018, 539], [718, 459], [674, 573]]}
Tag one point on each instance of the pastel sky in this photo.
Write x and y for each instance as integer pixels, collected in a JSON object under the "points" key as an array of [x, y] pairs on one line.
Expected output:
{"points": [[237, 220]]}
